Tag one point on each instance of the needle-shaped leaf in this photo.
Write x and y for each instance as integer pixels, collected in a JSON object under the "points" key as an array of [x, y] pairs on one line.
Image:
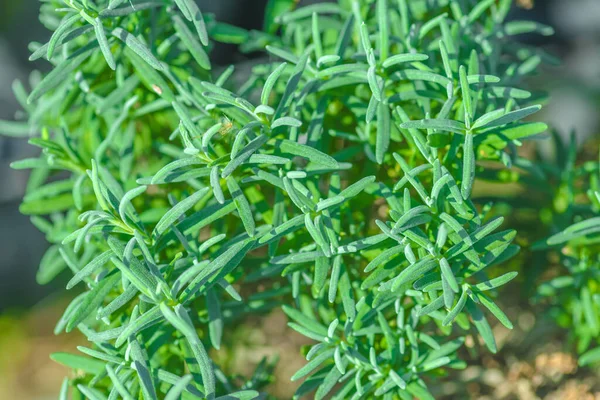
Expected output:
{"points": [[64, 390], [383, 25], [384, 257], [90, 393], [226, 33], [138, 47], [91, 267], [60, 32], [58, 76], [190, 10], [118, 302], [521, 27], [418, 75], [310, 153], [282, 53], [270, 83], [446, 125], [357, 187], [175, 392], [149, 76], [513, 116], [181, 321], [125, 206], [327, 59], [466, 95], [215, 183], [468, 166], [429, 25], [403, 58], [313, 364], [487, 118], [286, 121], [432, 307], [51, 264], [496, 282], [479, 9], [161, 175], [413, 272], [456, 309], [316, 35], [494, 309], [244, 154], [189, 41], [118, 383], [215, 319], [86, 364], [177, 211], [321, 270], [482, 326], [478, 79], [383, 131], [448, 274], [343, 69], [242, 205], [92, 300], [282, 230], [375, 83], [186, 120], [104, 45], [227, 260]]}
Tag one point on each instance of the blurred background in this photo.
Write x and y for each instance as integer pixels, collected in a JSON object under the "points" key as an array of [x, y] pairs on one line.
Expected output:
{"points": [[28, 311]]}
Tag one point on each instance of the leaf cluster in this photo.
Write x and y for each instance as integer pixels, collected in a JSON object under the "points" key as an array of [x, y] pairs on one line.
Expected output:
{"points": [[335, 182]]}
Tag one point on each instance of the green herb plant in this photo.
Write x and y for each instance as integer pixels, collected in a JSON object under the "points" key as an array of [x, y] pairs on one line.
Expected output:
{"points": [[572, 218], [334, 182]]}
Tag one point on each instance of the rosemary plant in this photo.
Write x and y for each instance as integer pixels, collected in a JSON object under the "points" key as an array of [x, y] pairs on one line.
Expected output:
{"points": [[572, 217], [334, 182]]}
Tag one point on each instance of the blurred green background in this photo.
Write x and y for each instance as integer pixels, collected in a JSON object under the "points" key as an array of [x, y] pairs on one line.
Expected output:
{"points": [[28, 311]]}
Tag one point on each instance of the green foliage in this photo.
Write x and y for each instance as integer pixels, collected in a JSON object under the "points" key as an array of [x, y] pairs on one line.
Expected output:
{"points": [[335, 182], [572, 219]]}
